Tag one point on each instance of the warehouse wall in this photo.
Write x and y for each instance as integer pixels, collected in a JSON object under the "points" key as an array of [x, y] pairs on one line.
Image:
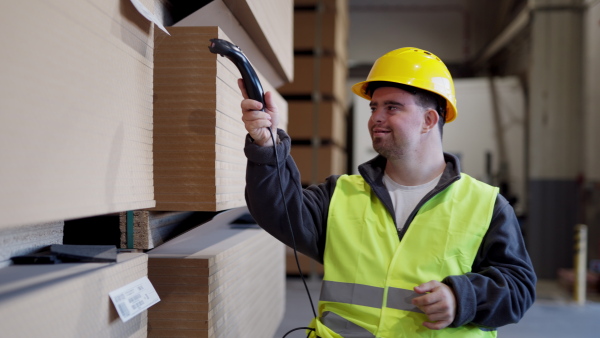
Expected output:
{"points": [[555, 139], [591, 122], [591, 98]]}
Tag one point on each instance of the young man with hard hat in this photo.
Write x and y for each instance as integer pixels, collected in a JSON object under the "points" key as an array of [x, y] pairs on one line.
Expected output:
{"points": [[411, 247]]}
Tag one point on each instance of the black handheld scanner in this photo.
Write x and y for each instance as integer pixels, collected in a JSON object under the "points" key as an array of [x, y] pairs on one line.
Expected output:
{"points": [[234, 53]]}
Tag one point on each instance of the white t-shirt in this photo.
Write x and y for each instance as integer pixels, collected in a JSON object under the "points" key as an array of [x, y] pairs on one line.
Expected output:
{"points": [[405, 198]]}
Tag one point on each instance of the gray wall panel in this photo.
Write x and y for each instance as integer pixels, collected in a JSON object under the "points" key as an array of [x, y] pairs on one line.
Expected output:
{"points": [[554, 206]]}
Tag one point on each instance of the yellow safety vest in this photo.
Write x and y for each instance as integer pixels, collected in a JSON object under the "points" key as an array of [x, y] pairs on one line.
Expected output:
{"points": [[370, 275]]}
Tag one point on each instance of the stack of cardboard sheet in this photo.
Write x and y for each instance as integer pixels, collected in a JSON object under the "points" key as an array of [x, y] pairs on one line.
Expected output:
{"points": [[326, 74], [319, 162], [22, 240], [263, 29], [333, 27], [199, 163], [76, 103], [268, 22], [218, 281], [318, 95], [69, 300]]}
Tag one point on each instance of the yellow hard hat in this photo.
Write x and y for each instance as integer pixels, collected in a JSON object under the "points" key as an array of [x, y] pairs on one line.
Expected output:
{"points": [[414, 67]]}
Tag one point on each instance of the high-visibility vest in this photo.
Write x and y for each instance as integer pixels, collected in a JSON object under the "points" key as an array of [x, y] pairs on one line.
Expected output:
{"points": [[370, 275]]}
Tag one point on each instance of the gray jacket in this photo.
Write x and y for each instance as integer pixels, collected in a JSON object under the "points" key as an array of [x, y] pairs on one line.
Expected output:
{"points": [[498, 291]]}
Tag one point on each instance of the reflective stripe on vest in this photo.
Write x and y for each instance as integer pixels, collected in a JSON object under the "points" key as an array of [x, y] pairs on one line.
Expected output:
{"points": [[366, 295], [344, 327], [370, 275]]}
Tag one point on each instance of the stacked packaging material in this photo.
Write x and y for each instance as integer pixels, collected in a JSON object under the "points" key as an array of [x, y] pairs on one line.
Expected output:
{"points": [[318, 95], [76, 123], [70, 299], [218, 280], [199, 163]]}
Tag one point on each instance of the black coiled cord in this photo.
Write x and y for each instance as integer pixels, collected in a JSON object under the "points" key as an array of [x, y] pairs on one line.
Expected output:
{"points": [[287, 214]]}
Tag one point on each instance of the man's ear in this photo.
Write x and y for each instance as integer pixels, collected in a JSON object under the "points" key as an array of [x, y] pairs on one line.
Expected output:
{"points": [[430, 120]]}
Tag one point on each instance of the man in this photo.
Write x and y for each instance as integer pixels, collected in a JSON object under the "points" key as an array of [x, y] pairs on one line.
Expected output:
{"points": [[411, 246]]}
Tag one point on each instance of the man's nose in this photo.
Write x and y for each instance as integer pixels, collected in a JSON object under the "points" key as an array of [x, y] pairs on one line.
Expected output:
{"points": [[377, 115]]}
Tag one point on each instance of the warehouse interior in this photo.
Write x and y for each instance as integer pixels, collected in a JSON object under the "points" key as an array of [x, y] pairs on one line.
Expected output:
{"points": [[121, 135]]}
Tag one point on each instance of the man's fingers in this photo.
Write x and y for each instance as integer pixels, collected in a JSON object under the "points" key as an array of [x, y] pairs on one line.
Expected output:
{"points": [[243, 88], [437, 325], [257, 124], [251, 115], [270, 105], [427, 299], [437, 302], [249, 105], [426, 287], [437, 314]]}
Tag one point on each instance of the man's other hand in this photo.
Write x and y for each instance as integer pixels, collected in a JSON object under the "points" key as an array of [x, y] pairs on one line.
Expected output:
{"points": [[438, 303]]}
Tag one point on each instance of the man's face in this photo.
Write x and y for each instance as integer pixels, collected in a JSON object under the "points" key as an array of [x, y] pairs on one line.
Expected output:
{"points": [[396, 122]]}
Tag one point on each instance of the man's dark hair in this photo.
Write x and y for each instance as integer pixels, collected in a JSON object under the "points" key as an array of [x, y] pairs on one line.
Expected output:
{"points": [[424, 98]]}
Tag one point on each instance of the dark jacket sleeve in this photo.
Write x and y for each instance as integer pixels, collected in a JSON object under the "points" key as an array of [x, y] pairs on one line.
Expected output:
{"points": [[307, 208], [501, 286]]}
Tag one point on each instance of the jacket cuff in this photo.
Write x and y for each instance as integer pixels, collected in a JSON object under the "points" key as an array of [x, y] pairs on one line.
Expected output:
{"points": [[466, 302], [265, 155]]}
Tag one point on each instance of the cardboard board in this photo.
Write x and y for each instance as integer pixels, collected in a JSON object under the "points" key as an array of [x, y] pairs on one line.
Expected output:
{"points": [[76, 122], [330, 126], [199, 137], [333, 28], [217, 281], [263, 29], [329, 160], [69, 300], [329, 84]]}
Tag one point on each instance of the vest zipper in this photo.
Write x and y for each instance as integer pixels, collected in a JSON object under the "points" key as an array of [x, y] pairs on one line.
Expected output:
{"points": [[427, 197]]}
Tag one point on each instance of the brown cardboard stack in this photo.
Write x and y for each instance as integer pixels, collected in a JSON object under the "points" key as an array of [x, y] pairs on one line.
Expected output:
{"points": [[76, 103], [330, 159], [215, 281], [263, 29], [199, 164], [267, 22], [333, 26], [317, 96], [69, 300]]}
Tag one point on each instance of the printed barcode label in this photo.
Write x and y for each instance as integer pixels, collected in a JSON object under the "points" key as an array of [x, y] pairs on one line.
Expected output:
{"points": [[123, 309], [133, 298]]}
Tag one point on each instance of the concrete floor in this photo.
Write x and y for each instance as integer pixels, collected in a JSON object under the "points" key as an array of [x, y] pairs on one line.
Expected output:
{"points": [[552, 315]]}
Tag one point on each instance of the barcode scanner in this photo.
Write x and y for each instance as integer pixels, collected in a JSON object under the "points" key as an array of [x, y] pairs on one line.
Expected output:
{"points": [[227, 49]]}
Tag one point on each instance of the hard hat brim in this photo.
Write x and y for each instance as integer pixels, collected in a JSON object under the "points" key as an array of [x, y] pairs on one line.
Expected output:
{"points": [[361, 87]]}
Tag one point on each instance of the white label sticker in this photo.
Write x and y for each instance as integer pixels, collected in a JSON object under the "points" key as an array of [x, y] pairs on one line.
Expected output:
{"points": [[133, 298], [148, 15]]}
